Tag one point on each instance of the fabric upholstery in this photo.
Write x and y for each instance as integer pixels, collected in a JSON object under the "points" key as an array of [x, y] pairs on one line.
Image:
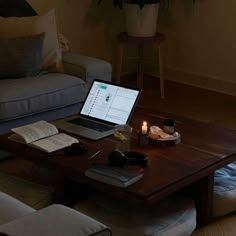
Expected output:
{"points": [[30, 111], [171, 217], [224, 200], [21, 57], [13, 27], [31, 95], [87, 68], [6, 126], [55, 220], [11, 208]]}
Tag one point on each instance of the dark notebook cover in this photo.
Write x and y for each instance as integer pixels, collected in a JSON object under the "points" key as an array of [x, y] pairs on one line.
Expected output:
{"points": [[116, 176]]}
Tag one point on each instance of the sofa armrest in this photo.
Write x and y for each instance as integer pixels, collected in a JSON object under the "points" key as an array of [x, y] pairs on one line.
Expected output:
{"points": [[87, 68], [55, 220], [11, 208]]}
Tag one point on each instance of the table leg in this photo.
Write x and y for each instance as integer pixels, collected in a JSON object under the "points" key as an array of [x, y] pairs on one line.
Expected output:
{"points": [[161, 70], [204, 199], [74, 191], [119, 63], [140, 66]]}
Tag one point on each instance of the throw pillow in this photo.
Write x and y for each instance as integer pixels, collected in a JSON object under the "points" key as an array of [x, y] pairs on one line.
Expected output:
{"points": [[12, 27], [64, 43], [21, 57]]}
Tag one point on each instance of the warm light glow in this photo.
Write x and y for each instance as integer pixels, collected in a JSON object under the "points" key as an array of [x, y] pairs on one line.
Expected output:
{"points": [[144, 127]]}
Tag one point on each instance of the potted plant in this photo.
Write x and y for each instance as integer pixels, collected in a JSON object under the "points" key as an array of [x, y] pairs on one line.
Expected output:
{"points": [[140, 15]]}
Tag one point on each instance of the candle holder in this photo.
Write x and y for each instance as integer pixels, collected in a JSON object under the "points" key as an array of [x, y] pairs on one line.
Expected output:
{"points": [[142, 138]]}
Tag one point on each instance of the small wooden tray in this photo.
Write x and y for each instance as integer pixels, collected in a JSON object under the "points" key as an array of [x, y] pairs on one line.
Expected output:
{"points": [[165, 142]]}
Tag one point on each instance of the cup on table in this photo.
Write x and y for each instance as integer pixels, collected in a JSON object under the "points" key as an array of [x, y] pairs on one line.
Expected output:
{"points": [[122, 135]]}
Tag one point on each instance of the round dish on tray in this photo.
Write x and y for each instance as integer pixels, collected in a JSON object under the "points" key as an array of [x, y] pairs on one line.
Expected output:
{"points": [[170, 139]]}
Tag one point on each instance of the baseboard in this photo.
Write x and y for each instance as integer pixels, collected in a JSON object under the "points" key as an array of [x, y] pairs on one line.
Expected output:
{"points": [[201, 81]]}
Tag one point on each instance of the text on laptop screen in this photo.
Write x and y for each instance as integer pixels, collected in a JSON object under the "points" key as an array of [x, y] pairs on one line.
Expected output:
{"points": [[109, 102]]}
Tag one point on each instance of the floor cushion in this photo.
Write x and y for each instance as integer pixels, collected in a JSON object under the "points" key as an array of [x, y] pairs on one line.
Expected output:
{"points": [[224, 199], [33, 95], [175, 216], [11, 208]]}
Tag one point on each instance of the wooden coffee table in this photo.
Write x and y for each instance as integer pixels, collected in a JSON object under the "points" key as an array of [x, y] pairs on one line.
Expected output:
{"points": [[189, 164]]}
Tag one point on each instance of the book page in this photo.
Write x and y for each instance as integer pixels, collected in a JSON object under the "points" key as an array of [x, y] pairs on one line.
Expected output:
{"points": [[54, 143], [38, 130]]}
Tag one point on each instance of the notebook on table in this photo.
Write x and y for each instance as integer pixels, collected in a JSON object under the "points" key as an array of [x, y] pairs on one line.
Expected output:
{"points": [[106, 105]]}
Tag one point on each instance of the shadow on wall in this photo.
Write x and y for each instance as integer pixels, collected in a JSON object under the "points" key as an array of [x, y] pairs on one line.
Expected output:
{"points": [[189, 6], [167, 18], [109, 19]]}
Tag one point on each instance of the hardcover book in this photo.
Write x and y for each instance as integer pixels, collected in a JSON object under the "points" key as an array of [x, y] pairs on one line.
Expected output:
{"points": [[116, 176]]}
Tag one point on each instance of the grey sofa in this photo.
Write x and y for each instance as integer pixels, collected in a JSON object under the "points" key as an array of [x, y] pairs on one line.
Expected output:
{"points": [[17, 219], [49, 96]]}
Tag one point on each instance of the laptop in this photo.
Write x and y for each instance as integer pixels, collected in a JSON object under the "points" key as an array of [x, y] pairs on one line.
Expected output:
{"points": [[106, 105]]}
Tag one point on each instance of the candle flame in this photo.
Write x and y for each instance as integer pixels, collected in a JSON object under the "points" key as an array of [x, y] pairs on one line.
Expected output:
{"points": [[144, 123]]}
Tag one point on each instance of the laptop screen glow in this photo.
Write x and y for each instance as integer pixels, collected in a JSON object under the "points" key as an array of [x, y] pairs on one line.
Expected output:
{"points": [[109, 102]]}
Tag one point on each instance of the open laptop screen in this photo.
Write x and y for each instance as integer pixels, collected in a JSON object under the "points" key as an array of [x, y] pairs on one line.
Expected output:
{"points": [[110, 102]]}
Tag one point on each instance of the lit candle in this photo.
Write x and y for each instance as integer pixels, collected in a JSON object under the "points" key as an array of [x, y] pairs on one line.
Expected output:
{"points": [[144, 127]]}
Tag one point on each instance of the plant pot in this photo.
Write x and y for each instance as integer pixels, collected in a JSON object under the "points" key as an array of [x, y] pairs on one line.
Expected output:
{"points": [[141, 22]]}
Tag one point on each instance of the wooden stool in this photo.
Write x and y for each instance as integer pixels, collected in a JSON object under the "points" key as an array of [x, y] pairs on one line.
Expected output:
{"points": [[124, 38]]}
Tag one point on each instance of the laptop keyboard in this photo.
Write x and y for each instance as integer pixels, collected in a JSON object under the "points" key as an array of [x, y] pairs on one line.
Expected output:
{"points": [[91, 124]]}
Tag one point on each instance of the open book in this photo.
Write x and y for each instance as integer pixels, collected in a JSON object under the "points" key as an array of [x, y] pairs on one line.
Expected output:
{"points": [[42, 135]]}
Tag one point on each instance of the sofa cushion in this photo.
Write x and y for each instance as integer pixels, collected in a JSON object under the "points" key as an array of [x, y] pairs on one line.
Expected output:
{"points": [[12, 27], [33, 95], [174, 216], [55, 220], [224, 199], [21, 57], [11, 208]]}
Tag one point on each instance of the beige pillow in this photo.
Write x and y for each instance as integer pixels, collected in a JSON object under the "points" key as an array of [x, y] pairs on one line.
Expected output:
{"points": [[12, 27]]}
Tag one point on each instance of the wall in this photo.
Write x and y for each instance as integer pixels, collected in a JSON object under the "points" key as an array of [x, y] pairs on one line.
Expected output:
{"points": [[200, 40], [201, 45]]}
